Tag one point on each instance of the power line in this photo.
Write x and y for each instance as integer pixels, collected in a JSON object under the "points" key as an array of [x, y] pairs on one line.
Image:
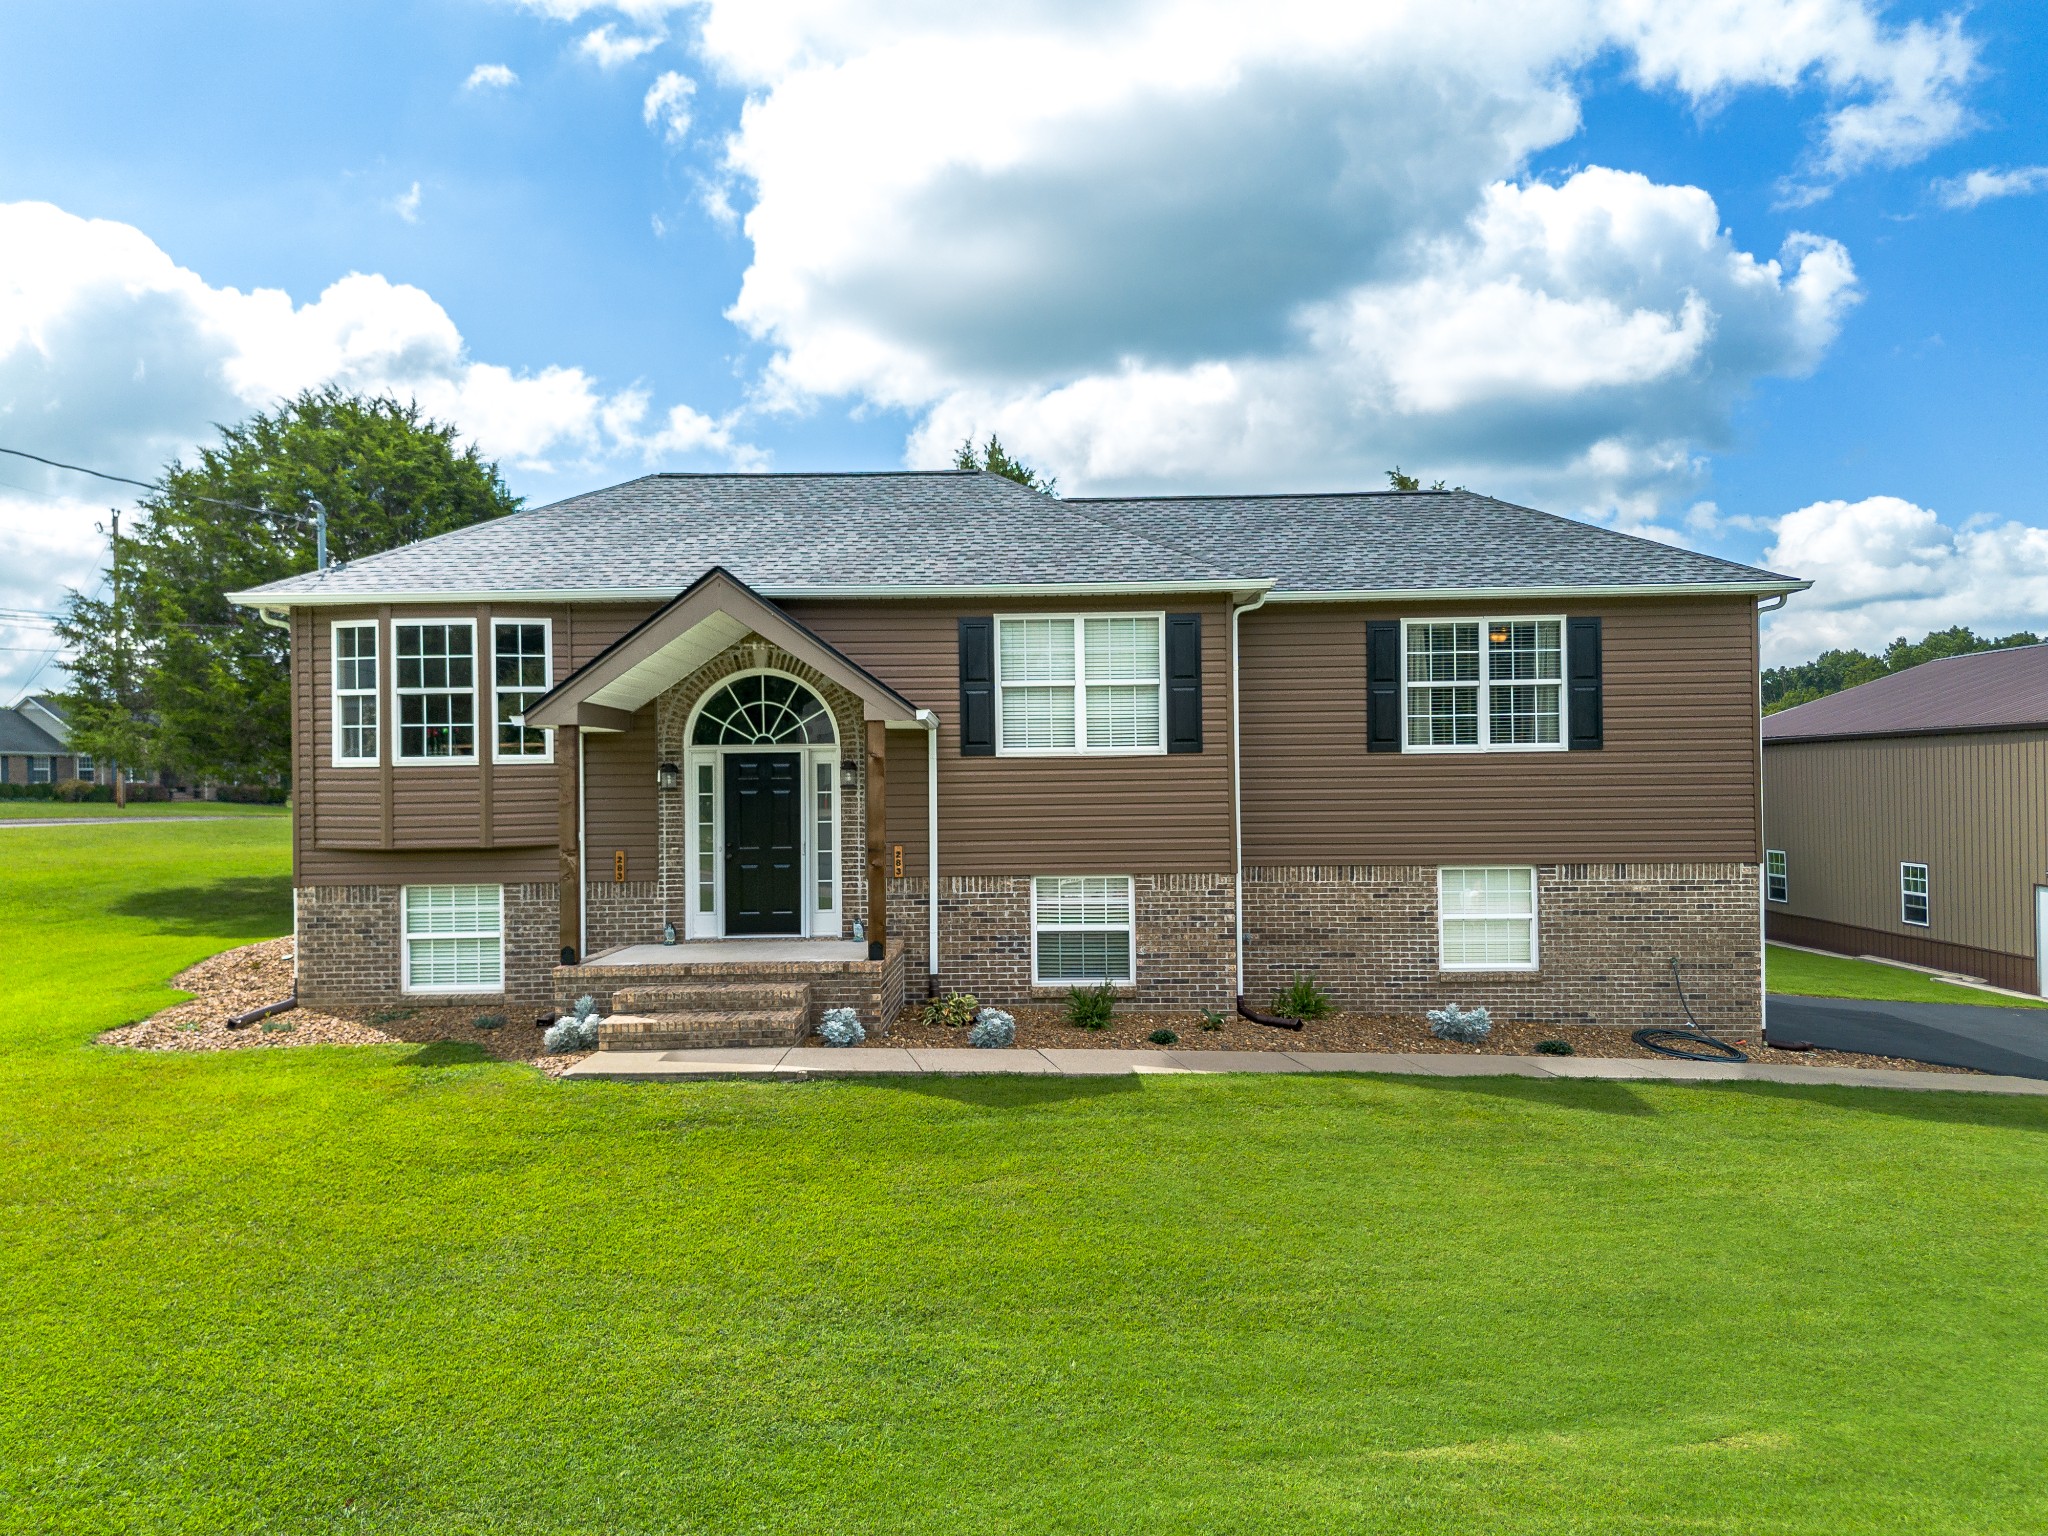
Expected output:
{"points": [[156, 485]]}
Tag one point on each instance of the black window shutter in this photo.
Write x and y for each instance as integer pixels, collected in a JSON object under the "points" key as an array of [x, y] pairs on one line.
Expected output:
{"points": [[1383, 685], [977, 687], [1582, 667], [1183, 682]]}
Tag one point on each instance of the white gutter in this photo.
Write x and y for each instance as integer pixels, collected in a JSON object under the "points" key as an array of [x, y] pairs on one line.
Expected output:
{"points": [[1237, 779], [582, 859], [930, 722], [1579, 589]]}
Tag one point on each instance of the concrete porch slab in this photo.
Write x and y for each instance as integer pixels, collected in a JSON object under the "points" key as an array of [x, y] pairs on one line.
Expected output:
{"points": [[735, 952]]}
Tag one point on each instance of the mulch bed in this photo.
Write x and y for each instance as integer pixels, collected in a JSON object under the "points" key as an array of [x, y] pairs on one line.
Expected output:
{"points": [[240, 979]]}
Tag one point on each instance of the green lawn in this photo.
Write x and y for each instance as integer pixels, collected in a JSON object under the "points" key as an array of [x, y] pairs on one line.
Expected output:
{"points": [[1809, 975], [397, 1290], [45, 810]]}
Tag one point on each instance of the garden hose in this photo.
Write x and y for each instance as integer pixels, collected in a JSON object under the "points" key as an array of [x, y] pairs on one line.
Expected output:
{"points": [[1674, 1042]]}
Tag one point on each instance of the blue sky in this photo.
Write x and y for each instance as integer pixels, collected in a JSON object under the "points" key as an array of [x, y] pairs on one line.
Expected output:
{"points": [[1160, 249]]}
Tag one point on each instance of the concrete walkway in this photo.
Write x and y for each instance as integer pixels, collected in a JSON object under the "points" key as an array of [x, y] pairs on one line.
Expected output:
{"points": [[794, 1064], [2013, 1041]]}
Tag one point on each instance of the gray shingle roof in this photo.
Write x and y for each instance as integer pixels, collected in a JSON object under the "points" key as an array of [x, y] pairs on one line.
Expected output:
{"points": [[19, 735], [905, 533], [1984, 691], [1416, 541]]}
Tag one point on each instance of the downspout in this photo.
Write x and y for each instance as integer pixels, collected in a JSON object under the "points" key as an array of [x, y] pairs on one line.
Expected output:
{"points": [[1763, 957], [930, 722], [268, 616], [582, 857], [1237, 778]]}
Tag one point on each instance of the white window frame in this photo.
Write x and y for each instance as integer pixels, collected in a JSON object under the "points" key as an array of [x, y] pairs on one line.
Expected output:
{"points": [[1129, 928], [49, 768], [546, 754], [1777, 879], [84, 766], [1925, 893], [1485, 684], [1444, 919], [407, 938], [1080, 685], [400, 694], [374, 693]]}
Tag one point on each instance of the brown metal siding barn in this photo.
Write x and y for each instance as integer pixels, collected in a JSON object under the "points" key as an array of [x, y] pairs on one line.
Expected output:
{"points": [[1908, 818]]}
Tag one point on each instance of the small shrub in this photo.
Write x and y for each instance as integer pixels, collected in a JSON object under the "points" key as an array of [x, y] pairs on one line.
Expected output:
{"points": [[841, 1027], [1466, 1026], [955, 1012], [574, 1031], [1212, 1018], [390, 1015], [994, 1030], [1555, 1048], [1091, 1007], [1303, 1000], [1163, 1037], [488, 1021]]}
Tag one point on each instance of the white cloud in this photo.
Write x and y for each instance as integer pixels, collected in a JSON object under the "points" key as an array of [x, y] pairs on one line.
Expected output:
{"points": [[494, 77], [668, 104], [610, 51], [114, 356], [1189, 242], [1975, 187], [407, 204], [1884, 567]]}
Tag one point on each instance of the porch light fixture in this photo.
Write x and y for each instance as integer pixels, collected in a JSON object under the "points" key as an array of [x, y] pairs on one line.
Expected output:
{"points": [[849, 775], [669, 776]]}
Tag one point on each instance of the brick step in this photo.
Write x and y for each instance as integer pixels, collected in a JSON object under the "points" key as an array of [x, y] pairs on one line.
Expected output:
{"points": [[711, 997], [704, 1029]]}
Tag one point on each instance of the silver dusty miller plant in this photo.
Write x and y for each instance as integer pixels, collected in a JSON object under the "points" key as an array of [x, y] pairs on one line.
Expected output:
{"points": [[575, 1030], [993, 1030], [841, 1026], [1466, 1026]]}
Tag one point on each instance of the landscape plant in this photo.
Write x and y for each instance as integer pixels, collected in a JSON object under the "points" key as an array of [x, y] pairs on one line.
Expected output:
{"points": [[993, 1030], [1302, 999], [1091, 1007], [954, 1012], [1464, 1026], [1163, 1037], [841, 1027], [576, 1030]]}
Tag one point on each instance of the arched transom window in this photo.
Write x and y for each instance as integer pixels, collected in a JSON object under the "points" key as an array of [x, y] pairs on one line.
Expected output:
{"points": [[763, 711]]}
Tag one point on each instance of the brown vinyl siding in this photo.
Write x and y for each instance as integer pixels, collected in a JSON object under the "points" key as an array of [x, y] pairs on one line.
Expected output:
{"points": [[1676, 781], [1972, 807], [1040, 815], [620, 800], [352, 821]]}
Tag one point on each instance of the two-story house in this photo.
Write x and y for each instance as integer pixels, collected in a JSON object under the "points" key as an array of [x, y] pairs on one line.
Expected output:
{"points": [[916, 732]]}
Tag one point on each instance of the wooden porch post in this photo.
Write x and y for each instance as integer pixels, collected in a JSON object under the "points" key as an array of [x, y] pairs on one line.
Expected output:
{"points": [[568, 762], [877, 789]]}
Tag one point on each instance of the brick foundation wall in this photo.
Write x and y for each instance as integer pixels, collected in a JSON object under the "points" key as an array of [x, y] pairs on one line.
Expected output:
{"points": [[1185, 926], [349, 948], [1605, 937], [622, 912]]}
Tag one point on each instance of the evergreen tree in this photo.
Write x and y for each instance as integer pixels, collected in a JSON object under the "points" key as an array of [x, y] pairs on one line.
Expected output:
{"points": [[995, 459], [180, 678]]}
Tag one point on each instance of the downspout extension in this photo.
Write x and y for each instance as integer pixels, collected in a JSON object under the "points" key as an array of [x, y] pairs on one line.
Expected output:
{"points": [[1237, 783], [930, 722]]}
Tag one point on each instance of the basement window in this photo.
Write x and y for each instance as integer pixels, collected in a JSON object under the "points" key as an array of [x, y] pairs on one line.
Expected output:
{"points": [[454, 938], [1913, 894], [1776, 886], [1082, 930], [1486, 919]]}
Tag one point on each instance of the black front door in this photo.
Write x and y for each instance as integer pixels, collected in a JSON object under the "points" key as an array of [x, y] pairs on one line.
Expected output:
{"points": [[764, 855]]}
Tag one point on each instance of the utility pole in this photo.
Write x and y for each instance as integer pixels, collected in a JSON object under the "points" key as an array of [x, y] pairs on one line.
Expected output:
{"points": [[120, 660]]}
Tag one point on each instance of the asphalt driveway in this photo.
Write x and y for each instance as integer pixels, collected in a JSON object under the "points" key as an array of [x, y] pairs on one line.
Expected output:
{"points": [[2008, 1040]]}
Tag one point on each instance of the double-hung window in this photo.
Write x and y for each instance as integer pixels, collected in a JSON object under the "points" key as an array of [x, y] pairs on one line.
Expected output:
{"points": [[1486, 919], [1777, 887], [39, 770], [355, 694], [1080, 684], [521, 674], [1081, 929], [436, 678], [454, 938], [85, 768], [1913, 894], [1476, 685]]}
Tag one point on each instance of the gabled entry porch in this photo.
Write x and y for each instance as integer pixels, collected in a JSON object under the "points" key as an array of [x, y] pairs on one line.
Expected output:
{"points": [[770, 782]]}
